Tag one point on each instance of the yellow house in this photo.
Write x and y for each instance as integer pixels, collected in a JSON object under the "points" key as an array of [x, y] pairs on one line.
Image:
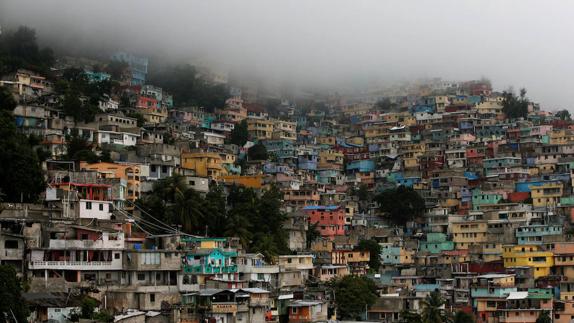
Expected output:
{"points": [[204, 164], [260, 129], [546, 194], [252, 181], [327, 140], [284, 130], [128, 172], [154, 115], [528, 256], [331, 159], [559, 137], [467, 233]]}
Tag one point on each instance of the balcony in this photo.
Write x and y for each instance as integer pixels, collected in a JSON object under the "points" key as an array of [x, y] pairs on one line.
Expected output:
{"points": [[86, 244], [207, 269], [261, 269], [76, 265], [12, 254]]}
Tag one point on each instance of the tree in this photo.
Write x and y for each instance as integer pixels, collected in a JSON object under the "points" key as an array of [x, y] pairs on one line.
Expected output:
{"points": [[353, 294], [240, 135], [513, 106], [563, 115], [544, 317], [78, 148], [21, 174], [401, 204], [463, 317], [312, 234], [188, 87], [257, 152], [11, 302], [138, 116], [19, 49], [432, 309], [385, 104], [410, 317], [116, 69], [7, 102], [374, 249]]}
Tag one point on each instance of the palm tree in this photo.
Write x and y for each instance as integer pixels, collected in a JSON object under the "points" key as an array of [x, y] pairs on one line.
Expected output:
{"points": [[544, 317], [410, 317], [433, 311]]}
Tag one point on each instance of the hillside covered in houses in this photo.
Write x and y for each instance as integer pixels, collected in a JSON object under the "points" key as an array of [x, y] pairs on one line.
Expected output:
{"points": [[136, 194]]}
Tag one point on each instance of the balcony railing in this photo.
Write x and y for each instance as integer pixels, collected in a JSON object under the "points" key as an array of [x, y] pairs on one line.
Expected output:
{"points": [[203, 269], [75, 265]]}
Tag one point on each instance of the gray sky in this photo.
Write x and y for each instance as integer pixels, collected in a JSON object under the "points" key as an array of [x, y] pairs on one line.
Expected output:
{"points": [[520, 43]]}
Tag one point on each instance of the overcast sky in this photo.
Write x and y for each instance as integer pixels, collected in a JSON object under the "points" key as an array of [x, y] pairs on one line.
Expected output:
{"points": [[514, 43]]}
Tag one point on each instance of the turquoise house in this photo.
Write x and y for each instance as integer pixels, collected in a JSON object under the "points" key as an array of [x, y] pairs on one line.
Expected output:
{"points": [[436, 243], [206, 261]]}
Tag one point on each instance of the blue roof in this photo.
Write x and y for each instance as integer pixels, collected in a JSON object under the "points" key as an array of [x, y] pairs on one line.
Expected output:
{"points": [[471, 176], [321, 207]]}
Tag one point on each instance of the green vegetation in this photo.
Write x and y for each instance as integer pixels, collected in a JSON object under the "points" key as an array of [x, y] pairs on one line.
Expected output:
{"points": [[401, 205], [463, 317], [240, 135], [257, 152], [563, 115], [81, 97], [11, 303], [138, 116], [544, 317], [21, 172], [353, 295], [256, 221], [18, 49], [373, 247], [187, 88], [312, 234], [515, 106], [433, 309]]}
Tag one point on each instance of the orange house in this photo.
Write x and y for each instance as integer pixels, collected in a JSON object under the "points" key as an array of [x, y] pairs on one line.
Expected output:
{"points": [[128, 172], [307, 311]]}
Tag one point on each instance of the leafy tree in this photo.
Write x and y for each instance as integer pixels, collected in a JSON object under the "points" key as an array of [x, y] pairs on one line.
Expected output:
{"points": [[432, 311], [214, 205], [11, 302], [463, 317], [138, 116], [257, 152], [7, 102], [78, 148], [87, 307], [352, 295], [188, 87], [363, 193], [19, 49], [544, 317], [312, 234], [385, 105], [515, 106], [373, 247], [401, 204], [21, 175], [240, 135], [563, 115], [410, 317], [116, 69]]}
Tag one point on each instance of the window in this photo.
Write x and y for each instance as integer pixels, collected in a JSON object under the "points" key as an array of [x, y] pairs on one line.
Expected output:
{"points": [[152, 298], [88, 205], [141, 276], [101, 206], [11, 244], [116, 255], [294, 310]]}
